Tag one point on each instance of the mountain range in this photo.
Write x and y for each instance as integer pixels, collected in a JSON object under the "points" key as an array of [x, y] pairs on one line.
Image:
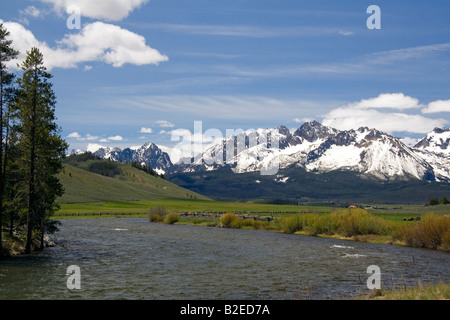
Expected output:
{"points": [[282, 159]]}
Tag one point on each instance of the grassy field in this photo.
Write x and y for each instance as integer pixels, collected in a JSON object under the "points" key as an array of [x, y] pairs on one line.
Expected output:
{"points": [[84, 187], [184, 205]]}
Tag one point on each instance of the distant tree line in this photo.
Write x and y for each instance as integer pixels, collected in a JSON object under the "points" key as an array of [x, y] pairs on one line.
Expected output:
{"points": [[146, 169], [105, 168], [82, 157], [31, 149], [435, 201]]}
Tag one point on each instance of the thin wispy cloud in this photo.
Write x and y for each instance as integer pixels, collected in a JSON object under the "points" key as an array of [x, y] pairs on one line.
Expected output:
{"points": [[223, 107], [250, 31], [390, 56]]}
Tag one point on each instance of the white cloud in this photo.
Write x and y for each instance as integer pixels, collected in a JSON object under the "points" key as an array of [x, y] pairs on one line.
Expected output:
{"points": [[74, 135], [226, 107], [98, 9], [97, 41], [410, 142], [115, 138], [79, 137], [165, 124], [388, 100], [92, 147], [302, 120], [390, 56], [437, 106], [346, 33], [249, 31], [31, 11], [372, 113], [146, 130]]}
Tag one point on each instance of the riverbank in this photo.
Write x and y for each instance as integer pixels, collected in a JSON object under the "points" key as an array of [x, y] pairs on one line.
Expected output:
{"points": [[14, 245], [440, 291], [424, 230], [429, 231]]}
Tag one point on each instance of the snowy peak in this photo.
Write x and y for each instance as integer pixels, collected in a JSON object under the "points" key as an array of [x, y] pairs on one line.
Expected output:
{"points": [[312, 131], [318, 148], [149, 154], [437, 141]]}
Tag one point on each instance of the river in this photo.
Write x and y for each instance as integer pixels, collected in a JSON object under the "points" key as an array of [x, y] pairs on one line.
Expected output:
{"points": [[131, 258]]}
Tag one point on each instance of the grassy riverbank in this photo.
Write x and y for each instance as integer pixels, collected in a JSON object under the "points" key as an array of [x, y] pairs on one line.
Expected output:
{"points": [[440, 291]]}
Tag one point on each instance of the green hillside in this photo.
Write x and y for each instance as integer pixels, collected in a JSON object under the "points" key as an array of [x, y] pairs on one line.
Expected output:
{"points": [[125, 183]]}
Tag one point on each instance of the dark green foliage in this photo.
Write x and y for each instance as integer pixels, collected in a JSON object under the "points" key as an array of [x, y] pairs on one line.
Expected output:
{"points": [[105, 168], [34, 152], [7, 95], [444, 200], [145, 168], [83, 157], [433, 201]]}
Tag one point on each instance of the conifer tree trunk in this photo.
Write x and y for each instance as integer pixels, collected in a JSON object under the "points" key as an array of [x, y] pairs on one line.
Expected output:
{"points": [[6, 54], [31, 179]]}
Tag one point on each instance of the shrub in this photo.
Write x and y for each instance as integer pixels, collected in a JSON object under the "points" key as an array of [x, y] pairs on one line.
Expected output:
{"points": [[433, 201], [242, 223], [157, 214], [155, 218], [348, 222], [227, 219], [172, 218], [433, 231]]}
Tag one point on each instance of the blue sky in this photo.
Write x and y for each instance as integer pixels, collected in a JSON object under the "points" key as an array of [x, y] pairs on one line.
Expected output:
{"points": [[140, 70]]}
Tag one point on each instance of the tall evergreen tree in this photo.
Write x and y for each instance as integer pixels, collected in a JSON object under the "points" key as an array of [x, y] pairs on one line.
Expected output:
{"points": [[7, 53], [41, 148]]}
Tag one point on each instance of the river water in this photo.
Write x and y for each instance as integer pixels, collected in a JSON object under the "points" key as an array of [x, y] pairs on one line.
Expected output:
{"points": [[131, 258]]}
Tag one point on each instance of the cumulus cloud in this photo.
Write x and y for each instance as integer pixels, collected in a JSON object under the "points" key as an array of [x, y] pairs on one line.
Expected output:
{"points": [[388, 100], [93, 147], [437, 106], [97, 41], [146, 130], [74, 135], [88, 137], [115, 138], [113, 10], [165, 124], [383, 114]]}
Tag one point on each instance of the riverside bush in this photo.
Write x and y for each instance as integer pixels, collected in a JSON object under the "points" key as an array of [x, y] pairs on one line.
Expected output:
{"points": [[172, 218], [348, 222], [157, 214], [227, 219], [433, 232]]}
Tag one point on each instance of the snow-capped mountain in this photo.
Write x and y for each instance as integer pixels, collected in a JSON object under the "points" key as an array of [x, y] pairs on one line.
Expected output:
{"points": [[313, 147], [149, 154], [318, 148], [435, 150]]}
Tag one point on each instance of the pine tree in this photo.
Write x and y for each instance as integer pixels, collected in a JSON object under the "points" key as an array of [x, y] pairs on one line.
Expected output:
{"points": [[7, 53], [41, 148]]}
